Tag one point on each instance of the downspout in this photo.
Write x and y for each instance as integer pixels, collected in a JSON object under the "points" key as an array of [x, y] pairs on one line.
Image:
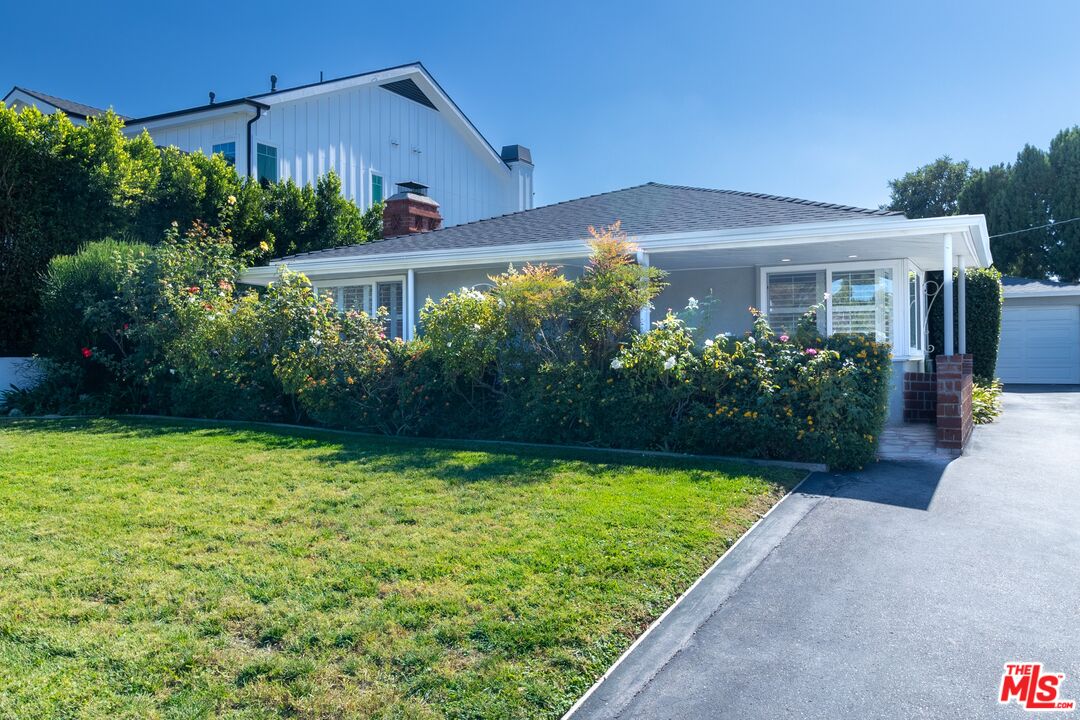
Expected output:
{"points": [[252, 121]]}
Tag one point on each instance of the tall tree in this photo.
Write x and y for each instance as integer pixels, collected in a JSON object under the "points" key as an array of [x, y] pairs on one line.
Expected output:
{"points": [[1024, 205], [930, 191], [1064, 254]]}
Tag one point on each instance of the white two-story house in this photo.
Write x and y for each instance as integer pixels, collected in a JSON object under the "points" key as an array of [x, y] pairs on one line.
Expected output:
{"points": [[375, 130]]}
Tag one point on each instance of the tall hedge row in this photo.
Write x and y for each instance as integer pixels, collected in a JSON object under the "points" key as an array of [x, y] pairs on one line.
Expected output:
{"points": [[63, 185], [539, 358], [983, 297]]}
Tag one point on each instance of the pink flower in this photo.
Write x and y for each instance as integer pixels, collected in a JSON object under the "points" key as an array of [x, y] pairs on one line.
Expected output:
{"points": [[811, 351], [87, 352], [784, 338]]}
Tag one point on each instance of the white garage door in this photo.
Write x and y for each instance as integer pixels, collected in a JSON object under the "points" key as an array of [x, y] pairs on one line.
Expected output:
{"points": [[1040, 345]]}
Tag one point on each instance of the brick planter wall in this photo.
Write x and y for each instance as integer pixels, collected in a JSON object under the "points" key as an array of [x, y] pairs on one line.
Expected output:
{"points": [[954, 383], [920, 397]]}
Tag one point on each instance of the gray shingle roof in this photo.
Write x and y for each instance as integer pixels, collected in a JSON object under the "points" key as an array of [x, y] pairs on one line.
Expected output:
{"points": [[70, 107], [1018, 287], [649, 209]]}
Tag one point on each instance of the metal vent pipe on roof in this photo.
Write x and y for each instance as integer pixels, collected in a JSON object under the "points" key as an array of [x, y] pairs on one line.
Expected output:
{"points": [[273, 83], [212, 97]]}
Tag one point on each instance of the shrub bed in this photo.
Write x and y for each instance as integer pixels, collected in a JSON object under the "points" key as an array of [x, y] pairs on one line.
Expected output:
{"points": [[537, 358]]}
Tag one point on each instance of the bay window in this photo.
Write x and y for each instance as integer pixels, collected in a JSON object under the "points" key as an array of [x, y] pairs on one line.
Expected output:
{"points": [[871, 298], [916, 310], [861, 302]]}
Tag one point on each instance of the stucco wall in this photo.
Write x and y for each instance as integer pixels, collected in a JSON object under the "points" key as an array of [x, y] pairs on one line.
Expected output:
{"points": [[734, 288], [896, 388]]}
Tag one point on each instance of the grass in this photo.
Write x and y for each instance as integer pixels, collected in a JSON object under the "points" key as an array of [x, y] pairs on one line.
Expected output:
{"points": [[177, 570]]}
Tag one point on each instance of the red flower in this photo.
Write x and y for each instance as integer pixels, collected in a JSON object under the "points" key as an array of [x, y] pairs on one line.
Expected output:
{"points": [[87, 352], [193, 289]]}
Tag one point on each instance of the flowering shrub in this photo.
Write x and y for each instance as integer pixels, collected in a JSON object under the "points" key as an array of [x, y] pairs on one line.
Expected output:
{"points": [[537, 358], [763, 395], [223, 362], [341, 371]]}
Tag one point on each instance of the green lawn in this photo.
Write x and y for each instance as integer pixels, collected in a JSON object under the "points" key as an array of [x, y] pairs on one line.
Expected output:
{"points": [[181, 570]]}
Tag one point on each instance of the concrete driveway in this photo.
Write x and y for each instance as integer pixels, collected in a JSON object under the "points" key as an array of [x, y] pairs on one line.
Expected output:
{"points": [[896, 592]]}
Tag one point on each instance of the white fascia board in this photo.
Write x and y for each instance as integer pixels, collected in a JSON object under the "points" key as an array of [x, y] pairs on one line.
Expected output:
{"points": [[1057, 293], [420, 260], [19, 95], [417, 74], [201, 115], [767, 236]]}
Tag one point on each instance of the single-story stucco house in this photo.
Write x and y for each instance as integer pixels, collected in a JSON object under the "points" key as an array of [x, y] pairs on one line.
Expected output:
{"points": [[1040, 333], [743, 249]]}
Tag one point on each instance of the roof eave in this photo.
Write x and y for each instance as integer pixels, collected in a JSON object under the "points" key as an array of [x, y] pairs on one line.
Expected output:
{"points": [[179, 117], [763, 236]]}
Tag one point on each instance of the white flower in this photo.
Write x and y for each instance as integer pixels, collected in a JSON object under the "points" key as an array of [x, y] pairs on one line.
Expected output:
{"points": [[172, 371], [750, 339], [709, 343], [691, 304], [825, 296], [616, 364], [669, 363], [476, 327]]}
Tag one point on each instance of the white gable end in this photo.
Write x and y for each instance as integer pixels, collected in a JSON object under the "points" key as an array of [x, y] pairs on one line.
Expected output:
{"points": [[361, 130]]}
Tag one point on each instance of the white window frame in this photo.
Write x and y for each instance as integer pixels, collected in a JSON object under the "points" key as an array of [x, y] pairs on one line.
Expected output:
{"points": [[339, 300], [898, 268], [371, 186], [915, 351]]}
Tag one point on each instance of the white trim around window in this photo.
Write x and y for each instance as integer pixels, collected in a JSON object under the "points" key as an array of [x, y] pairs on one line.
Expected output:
{"points": [[363, 294], [896, 310], [372, 174]]}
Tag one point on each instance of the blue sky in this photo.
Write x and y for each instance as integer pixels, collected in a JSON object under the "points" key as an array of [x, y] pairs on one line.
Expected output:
{"points": [[825, 101]]}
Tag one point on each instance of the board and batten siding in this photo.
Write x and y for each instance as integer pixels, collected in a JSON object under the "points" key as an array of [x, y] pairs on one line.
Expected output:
{"points": [[203, 135], [360, 130]]}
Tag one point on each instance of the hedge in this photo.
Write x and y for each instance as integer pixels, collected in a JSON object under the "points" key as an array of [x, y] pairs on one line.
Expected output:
{"points": [[64, 185], [538, 358], [984, 299]]}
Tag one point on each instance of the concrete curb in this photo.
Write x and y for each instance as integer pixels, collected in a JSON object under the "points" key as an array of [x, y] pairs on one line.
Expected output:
{"points": [[642, 454], [670, 633]]}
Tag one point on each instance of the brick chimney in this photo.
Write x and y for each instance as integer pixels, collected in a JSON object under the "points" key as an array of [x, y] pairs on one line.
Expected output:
{"points": [[410, 211]]}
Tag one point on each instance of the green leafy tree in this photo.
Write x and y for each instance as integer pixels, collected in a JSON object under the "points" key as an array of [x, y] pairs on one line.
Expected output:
{"points": [[1064, 254], [930, 191], [63, 185], [1024, 205]]}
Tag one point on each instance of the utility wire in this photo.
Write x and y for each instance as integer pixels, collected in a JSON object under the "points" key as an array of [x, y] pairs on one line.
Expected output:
{"points": [[1040, 227]]}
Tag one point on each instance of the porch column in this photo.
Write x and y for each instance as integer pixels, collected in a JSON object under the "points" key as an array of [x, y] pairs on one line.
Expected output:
{"points": [[410, 305], [961, 309], [947, 286], [645, 319]]}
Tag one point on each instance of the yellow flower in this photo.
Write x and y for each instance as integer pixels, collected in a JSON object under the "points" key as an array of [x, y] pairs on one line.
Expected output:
{"points": [[231, 199], [264, 247]]}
